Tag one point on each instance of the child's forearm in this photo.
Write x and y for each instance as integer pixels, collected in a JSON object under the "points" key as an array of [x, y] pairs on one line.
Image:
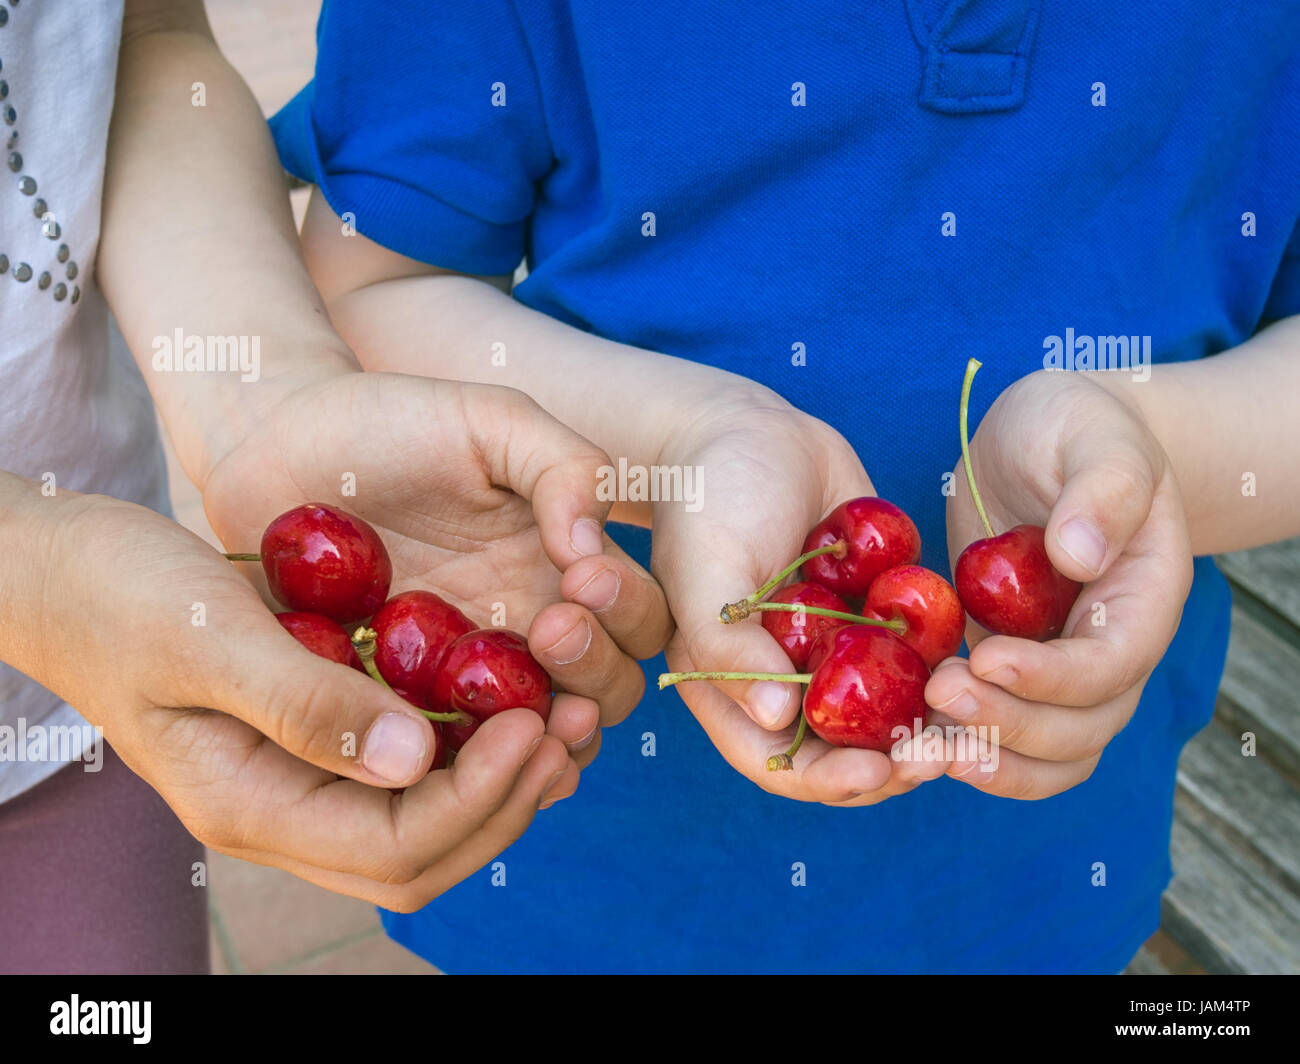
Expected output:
{"points": [[629, 401], [1231, 427], [403, 316], [198, 238]]}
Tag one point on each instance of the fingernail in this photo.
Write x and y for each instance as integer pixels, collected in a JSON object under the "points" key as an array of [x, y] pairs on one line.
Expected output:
{"points": [[570, 646], [542, 802], [585, 741], [395, 747], [529, 752], [584, 537], [1082, 542], [599, 593], [767, 702], [961, 706], [1003, 676]]}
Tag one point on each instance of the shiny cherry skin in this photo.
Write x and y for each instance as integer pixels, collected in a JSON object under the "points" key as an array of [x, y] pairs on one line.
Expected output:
{"points": [[866, 684], [925, 602], [877, 535], [412, 632], [1010, 587], [490, 670], [321, 636], [319, 559], [797, 632]]}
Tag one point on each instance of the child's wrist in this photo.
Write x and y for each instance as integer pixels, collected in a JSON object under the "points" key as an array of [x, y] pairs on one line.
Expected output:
{"points": [[203, 434]]}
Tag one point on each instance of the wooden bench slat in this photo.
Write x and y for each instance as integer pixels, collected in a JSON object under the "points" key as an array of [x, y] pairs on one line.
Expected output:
{"points": [[1255, 805], [1271, 574], [1222, 906], [1261, 690]]}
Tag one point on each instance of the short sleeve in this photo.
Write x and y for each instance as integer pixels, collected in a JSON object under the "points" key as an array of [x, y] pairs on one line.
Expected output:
{"points": [[425, 122], [1284, 295]]}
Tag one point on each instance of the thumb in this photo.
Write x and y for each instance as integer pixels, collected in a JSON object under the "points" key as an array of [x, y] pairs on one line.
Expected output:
{"points": [[325, 713], [1110, 481]]}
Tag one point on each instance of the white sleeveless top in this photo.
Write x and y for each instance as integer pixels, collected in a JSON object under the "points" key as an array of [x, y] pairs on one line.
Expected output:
{"points": [[72, 404]]}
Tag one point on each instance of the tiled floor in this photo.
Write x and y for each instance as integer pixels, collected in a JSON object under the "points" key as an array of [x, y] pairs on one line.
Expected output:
{"points": [[265, 920]]}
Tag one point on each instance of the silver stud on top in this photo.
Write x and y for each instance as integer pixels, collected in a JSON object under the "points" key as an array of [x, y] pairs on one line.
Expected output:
{"points": [[27, 185], [62, 253], [22, 272], [60, 290], [43, 282], [76, 294], [4, 263], [15, 161], [72, 271]]}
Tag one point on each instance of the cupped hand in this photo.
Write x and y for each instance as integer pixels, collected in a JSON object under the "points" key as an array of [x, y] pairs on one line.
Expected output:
{"points": [[158, 640], [769, 474], [1065, 451], [479, 496]]}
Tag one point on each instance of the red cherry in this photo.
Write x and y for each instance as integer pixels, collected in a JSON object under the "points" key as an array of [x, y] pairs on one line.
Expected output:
{"points": [[1009, 586], [877, 536], [866, 684], [797, 632], [925, 602], [412, 633], [321, 559], [490, 670], [321, 636]]}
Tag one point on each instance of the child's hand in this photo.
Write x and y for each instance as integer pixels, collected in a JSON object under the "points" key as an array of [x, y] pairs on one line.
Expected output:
{"points": [[769, 474], [479, 496], [242, 731], [1060, 450]]}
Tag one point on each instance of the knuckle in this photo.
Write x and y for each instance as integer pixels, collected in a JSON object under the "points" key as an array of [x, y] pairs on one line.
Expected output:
{"points": [[302, 720], [399, 870]]}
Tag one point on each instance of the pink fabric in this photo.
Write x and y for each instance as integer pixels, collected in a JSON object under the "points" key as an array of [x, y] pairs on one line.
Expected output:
{"points": [[95, 878]]}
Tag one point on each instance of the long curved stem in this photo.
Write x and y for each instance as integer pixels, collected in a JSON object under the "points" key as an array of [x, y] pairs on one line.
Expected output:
{"points": [[784, 762], [364, 642], [242, 557], [668, 678], [900, 627], [739, 610], [972, 367]]}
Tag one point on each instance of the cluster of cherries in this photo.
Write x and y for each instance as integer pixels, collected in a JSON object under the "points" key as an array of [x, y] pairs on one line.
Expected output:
{"points": [[332, 569], [866, 625]]}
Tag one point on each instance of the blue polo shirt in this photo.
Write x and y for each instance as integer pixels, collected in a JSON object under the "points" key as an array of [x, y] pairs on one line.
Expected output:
{"points": [[844, 201]]}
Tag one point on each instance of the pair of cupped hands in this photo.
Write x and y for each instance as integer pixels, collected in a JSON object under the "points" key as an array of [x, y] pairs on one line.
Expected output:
{"points": [[271, 754]]}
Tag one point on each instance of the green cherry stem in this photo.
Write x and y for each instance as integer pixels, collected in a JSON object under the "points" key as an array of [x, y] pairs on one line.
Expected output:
{"points": [[668, 678], [364, 641], [784, 762], [738, 611], [972, 367], [900, 627], [242, 557]]}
